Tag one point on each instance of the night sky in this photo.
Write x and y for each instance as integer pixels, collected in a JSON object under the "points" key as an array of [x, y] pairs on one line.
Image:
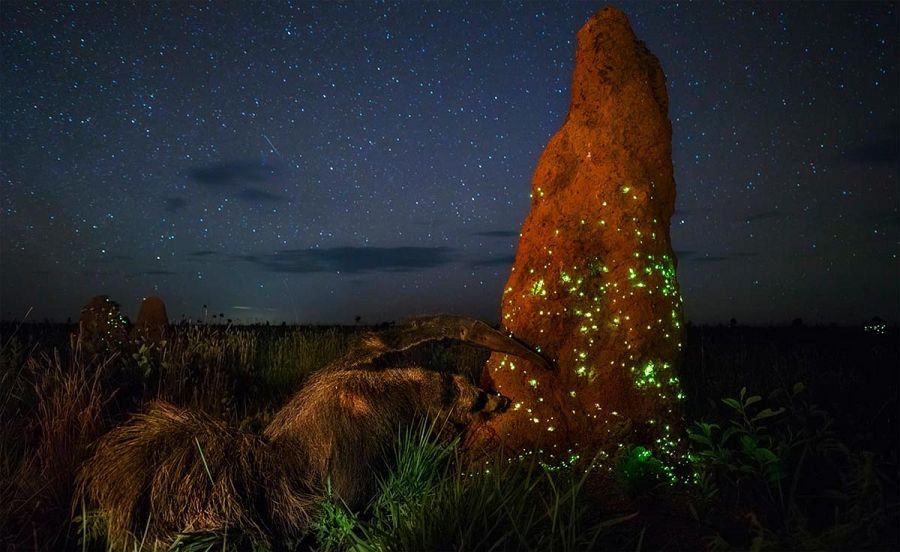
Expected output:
{"points": [[318, 162]]}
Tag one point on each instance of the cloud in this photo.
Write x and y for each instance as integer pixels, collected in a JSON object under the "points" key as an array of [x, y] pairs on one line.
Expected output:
{"points": [[497, 234], [256, 195], [500, 260], [159, 273], [203, 253], [174, 204], [354, 260], [231, 173]]}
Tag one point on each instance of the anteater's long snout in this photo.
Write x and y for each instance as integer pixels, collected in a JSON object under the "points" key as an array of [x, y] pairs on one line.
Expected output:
{"points": [[495, 340], [502, 403], [497, 404]]}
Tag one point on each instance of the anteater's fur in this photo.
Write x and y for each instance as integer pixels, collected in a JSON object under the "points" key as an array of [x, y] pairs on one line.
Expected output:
{"points": [[171, 470], [347, 419]]}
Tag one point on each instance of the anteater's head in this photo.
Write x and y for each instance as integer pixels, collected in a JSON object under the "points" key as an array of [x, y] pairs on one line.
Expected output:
{"points": [[465, 403]]}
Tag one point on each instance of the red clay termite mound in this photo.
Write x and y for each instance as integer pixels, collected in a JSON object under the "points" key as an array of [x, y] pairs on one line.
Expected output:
{"points": [[101, 322], [593, 284], [152, 320]]}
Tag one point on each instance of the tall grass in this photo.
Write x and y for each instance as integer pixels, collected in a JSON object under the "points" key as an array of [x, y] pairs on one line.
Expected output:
{"points": [[42, 452], [227, 371], [285, 361], [432, 501], [57, 396], [55, 401]]}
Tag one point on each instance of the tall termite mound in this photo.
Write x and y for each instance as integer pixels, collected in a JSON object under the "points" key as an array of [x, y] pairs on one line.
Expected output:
{"points": [[152, 320], [593, 284]]}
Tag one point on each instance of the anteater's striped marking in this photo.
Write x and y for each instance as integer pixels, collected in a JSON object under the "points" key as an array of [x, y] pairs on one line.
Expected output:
{"points": [[449, 391]]}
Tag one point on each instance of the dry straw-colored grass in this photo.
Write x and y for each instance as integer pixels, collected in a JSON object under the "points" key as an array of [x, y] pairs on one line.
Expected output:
{"points": [[39, 488]]}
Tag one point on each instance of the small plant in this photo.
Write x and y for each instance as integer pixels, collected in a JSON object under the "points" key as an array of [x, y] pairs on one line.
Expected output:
{"points": [[745, 448], [781, 469], [143, 358], [91, 526], [334, 527], [640, 471]]}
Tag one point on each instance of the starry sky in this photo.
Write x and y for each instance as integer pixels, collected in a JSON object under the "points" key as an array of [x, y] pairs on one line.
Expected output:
{"points": [[313, 163]]}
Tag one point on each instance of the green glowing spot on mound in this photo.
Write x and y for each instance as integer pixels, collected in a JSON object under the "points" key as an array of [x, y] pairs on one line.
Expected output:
{"points": [[649, 376]]}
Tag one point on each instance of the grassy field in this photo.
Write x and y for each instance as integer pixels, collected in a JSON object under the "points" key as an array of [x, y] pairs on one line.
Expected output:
{"points": [[794, 434]]}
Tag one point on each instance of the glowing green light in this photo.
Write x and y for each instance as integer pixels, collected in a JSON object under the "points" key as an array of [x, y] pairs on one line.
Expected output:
{"points": [[538, 288], [533, 382], [626, 189]]}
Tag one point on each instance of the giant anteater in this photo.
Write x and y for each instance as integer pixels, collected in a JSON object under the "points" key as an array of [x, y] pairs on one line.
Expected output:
{"points": [[171, 470]]}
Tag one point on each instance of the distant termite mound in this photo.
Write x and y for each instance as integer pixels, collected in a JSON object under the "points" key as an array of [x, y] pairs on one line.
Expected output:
{"points": [[593, 284], [101, 322], [152, 320]]}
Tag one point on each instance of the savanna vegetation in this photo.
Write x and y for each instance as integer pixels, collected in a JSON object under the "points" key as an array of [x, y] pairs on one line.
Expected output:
{"points": [[793, 445]]}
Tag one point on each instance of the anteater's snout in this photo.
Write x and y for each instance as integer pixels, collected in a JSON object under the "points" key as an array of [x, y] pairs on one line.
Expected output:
{"points": [[502, 403], [493, 403]]}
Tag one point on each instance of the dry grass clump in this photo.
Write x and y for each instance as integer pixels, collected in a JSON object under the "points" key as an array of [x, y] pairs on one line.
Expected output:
{"points": [[38, 482]]}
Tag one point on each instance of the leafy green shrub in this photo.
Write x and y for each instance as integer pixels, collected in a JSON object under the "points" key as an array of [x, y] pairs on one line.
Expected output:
{"points": [[746, 450], [778, 463], [334, 527], [640, 471]]}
